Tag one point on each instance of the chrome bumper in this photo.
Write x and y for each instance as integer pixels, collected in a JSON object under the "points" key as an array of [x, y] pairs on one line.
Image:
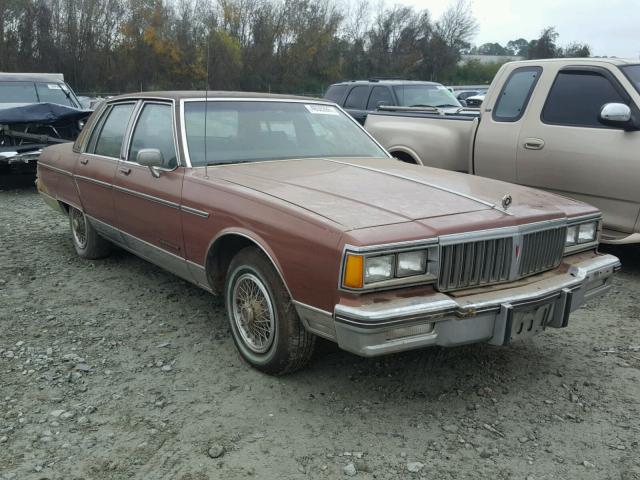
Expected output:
{"points": [[438, 319]]}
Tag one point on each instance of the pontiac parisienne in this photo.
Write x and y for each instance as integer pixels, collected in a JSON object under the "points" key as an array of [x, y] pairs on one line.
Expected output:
{"points": [[307, 226]]}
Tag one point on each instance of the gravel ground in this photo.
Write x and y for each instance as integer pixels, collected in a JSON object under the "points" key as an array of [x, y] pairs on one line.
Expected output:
{"points": [[115, 369]]}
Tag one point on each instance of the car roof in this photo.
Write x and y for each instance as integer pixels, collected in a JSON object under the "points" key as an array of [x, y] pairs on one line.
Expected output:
{"points": [[212, 94], [385, 82], [32, 77]]}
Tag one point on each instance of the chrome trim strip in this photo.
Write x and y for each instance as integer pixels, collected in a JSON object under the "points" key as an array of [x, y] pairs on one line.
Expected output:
{"points": [[55, 169], [421, 182], [493, 233], [93, 180], [194, 211], [145, 196]]}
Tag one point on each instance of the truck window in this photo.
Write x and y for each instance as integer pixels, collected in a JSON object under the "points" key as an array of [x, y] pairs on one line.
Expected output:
{"points": [[576, 98], [357, 98], [335, 93], [633, 74], [515, 94], [379, 94]]}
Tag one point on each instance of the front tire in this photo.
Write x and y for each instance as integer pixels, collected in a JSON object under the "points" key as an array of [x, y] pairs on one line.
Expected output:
{"points": [[86, 241], [264, 323]]}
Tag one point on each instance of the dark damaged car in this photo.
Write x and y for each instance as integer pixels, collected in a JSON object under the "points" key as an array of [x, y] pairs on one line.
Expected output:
{"points": [[36, 110]]}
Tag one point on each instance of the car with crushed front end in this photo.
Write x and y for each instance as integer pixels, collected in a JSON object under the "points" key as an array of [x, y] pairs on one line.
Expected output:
{"points": [[307, 226]]}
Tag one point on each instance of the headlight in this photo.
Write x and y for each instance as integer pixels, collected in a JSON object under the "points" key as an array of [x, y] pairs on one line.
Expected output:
{"points": [[580, 235], [587, 232], [411, 263], [378, 269], [382, 269]]}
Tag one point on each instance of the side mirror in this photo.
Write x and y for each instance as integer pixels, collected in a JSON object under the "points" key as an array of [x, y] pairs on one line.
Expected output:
{"points": [[152, 158], [463, 103], [617, 115]]}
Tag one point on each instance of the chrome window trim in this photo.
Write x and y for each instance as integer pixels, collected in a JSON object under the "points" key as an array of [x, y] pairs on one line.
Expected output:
{"points": [[134, 124], [183, 131]]}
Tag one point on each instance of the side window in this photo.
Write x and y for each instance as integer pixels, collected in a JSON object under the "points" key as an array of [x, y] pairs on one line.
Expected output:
{"points": [[109, 140], [155, 130], [515, 94], [576, 98], [335, 93], [379, 94], [357, 98]]}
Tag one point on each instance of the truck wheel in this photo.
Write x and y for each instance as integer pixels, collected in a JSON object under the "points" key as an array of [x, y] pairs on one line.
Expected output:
{"points": [[87, 242], [264, 323]]}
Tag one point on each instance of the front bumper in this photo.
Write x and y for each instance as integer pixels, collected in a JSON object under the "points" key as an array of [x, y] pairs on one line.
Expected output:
{"points": [[490, 315]]}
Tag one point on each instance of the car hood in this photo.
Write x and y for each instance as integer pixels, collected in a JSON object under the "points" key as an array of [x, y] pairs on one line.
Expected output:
{"points": [[366, 192]]}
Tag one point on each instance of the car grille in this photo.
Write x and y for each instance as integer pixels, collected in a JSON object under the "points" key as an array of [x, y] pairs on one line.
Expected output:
{"points": [[486, 262], [541, 250], [471, 264]]}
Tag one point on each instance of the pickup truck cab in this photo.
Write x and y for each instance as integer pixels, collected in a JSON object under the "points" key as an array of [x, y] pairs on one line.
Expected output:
{"points": [[565, 125]]}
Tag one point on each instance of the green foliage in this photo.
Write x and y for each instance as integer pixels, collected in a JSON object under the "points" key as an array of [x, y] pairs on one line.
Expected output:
{"points": [[297, 46]]}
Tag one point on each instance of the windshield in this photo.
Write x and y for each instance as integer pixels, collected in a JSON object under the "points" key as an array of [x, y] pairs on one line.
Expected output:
{"points": [[633, 74], [425, 96], [248, 131], [38, 92]]}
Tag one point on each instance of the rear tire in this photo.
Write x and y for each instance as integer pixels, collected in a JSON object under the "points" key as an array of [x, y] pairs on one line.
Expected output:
{"points": [[264, 323], [86, 240]]}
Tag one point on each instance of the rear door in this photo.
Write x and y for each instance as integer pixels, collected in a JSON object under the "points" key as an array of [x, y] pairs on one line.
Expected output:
{"points": [[96, 167], [147, 203], [356, 102], [564, 148]]}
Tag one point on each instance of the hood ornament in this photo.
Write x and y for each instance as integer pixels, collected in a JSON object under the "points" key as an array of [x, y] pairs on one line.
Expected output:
{"points": [[506, 201]]}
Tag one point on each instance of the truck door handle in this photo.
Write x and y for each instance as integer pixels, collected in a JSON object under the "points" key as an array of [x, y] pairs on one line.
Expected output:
{"points": [[534, 144], [84, 161], [125, 170]]}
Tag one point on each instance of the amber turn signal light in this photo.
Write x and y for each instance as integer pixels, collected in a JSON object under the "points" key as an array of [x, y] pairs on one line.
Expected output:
{"points": [[353, 271]]}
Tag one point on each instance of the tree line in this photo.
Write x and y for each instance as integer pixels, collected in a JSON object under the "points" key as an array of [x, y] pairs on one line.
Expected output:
{"points": [[298, 46]]}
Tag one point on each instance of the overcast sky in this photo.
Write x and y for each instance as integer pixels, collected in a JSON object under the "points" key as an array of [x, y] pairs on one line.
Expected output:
{"points": [[610, 27]]}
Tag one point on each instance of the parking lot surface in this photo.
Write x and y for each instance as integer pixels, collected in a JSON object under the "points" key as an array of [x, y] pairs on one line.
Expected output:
{"points": [[115, 369]]}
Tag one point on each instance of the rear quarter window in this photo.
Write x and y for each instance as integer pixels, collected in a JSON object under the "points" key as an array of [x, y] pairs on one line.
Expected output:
{"points": [[514, 96], [335, 93]]}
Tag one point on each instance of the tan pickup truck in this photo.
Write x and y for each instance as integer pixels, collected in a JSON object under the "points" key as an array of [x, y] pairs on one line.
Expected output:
{"points": [[571, 126]]}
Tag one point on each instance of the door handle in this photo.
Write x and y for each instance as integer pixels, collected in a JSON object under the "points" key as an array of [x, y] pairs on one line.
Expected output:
{"points": [[534, 144], [125, 170], [84, 161]]}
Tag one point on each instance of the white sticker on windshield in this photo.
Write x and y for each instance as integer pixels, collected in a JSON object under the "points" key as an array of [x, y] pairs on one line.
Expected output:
{"points": [[322, 109], [441, 87], [53, 86]]}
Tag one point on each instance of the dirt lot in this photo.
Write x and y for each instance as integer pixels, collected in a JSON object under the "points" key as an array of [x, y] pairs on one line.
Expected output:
{"points": [[115, 369]]}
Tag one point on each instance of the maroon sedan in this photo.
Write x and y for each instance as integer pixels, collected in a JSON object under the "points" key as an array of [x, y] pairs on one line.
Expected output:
{"points": [[291, 210]]}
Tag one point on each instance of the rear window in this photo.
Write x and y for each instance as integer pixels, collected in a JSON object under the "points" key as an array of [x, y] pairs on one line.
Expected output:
{"points": [[238, 132], [437, 96], [335, 93]]}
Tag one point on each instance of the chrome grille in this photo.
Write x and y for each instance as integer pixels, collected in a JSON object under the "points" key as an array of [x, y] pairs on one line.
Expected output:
{"points": [[471, 264], [541, 251]]}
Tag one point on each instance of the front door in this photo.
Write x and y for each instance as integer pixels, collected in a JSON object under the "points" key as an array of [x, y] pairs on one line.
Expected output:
{"points": [[567, 150], [96, 168], [147, 201]]}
